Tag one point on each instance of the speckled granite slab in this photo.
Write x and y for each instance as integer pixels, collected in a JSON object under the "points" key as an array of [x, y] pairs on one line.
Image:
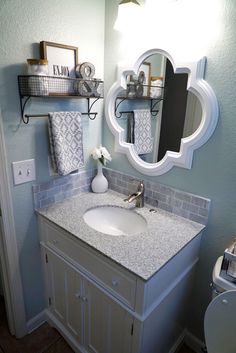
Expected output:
{"points": [[144, 253]]}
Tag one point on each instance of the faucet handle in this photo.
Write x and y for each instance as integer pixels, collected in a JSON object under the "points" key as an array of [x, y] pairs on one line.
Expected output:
{"points": [[141, 185], [127, 198]]}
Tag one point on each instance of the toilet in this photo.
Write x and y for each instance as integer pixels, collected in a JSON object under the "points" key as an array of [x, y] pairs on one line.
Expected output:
{"points": [[220, 316]]}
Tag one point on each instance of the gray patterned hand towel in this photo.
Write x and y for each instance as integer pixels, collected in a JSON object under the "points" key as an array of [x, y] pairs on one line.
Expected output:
{"points": [[143, 140], [66, 141]]}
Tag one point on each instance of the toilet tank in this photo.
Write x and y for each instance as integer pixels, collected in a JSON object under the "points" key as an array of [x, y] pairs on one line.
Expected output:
{"points": [[220, 284]]}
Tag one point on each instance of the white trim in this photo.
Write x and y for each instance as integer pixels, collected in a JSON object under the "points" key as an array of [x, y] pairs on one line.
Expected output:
{"points": [[36, 321], [9, 257], [197, 85], [193, 342]]}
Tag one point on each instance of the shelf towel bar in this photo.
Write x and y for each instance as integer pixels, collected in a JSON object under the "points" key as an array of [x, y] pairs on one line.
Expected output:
{"points": [[25, 100], [153, 113], [28, 116], [153, 104]]}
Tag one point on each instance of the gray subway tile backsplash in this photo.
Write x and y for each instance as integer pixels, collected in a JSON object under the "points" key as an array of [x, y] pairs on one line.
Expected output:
{"points": [[203, 212], [197, 218], [184, 204], [61, 188], [181, 203]]}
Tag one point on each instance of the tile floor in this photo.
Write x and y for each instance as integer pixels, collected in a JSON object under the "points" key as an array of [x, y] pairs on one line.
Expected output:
{"points": [[43, 340]]}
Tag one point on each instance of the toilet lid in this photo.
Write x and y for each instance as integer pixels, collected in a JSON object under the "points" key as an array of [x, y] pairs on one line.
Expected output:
{"points": [[220, 324]]}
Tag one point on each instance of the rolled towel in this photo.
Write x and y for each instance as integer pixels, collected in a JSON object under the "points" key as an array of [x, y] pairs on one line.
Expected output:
{"points": [[156, 88]]}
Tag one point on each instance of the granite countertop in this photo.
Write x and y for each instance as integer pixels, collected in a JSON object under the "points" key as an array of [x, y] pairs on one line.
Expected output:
{"points": [[144, 253]]}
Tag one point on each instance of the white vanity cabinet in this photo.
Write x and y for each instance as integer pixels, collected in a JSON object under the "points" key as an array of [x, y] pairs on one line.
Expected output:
{"points": [[77, 302], [86, 314], [101, 307], [64, 294], [108, 326]]}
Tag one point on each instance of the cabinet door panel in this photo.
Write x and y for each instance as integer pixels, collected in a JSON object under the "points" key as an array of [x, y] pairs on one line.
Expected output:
{"points": [[65, 291], [107, 325], [56, 282], [74, 309]]}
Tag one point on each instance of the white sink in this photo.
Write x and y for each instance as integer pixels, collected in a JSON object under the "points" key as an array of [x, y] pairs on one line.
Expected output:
{"points": [[115, 220]]}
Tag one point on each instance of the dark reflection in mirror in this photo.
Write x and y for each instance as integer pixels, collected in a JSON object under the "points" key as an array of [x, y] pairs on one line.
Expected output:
{"points": [[156, 110]]}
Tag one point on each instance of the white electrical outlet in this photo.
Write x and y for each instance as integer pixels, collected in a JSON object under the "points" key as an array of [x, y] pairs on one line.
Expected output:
{"points": [[23, 171]]}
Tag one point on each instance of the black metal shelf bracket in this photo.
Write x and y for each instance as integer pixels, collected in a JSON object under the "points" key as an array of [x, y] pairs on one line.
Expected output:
{"points": [[23, 102], [90, 114], [153, 103], [119, 114], [26, 117]]}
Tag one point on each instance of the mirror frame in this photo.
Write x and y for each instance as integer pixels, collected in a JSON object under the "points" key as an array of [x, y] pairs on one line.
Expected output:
{"points": [[197, 85]]}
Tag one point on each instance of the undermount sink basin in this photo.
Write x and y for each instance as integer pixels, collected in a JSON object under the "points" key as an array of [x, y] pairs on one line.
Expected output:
{"points": [[114, 220]]}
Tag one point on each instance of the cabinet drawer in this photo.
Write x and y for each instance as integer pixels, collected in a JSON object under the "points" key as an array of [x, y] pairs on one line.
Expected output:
{"points": [[120, 282]]}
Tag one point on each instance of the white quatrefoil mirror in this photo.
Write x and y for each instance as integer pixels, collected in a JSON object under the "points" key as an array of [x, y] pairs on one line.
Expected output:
{"points": [[160, 111]]}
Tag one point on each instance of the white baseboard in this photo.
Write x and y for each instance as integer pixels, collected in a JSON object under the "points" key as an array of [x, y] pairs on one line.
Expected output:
{"points": [[36, 321], [193, 342]]}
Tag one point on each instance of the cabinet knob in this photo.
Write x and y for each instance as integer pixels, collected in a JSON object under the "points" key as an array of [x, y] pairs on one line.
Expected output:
{"points": [[114, 282]]}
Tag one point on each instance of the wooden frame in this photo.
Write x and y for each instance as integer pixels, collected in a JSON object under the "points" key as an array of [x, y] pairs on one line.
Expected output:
{"points": [[65, 56]]}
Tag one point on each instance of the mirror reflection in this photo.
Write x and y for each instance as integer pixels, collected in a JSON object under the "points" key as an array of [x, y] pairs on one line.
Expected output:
{"points": [[156, 110]]}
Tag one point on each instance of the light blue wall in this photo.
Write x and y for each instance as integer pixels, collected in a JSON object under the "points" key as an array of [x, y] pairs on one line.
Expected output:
{"points": [[23, 24], [213, 173]]}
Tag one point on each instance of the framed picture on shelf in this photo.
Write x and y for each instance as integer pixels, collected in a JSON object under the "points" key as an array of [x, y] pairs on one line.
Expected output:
{"points": [[146, 68], [62, 59]]}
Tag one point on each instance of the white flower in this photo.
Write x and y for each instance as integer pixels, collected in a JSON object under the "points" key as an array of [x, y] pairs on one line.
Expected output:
{"points": [[101, 153], [105, 153], [96, 153]]}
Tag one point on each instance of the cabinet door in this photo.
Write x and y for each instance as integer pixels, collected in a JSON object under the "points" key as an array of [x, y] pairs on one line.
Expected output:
{"points": [[108, 327], [65, 289]]}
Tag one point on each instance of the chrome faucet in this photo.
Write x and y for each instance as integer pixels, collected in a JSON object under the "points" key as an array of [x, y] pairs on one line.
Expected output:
{"points": [[138, 196]]}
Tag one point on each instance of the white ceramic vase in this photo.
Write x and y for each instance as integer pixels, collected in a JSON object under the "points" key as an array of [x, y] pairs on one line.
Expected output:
{"points": [[99, 182]]}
